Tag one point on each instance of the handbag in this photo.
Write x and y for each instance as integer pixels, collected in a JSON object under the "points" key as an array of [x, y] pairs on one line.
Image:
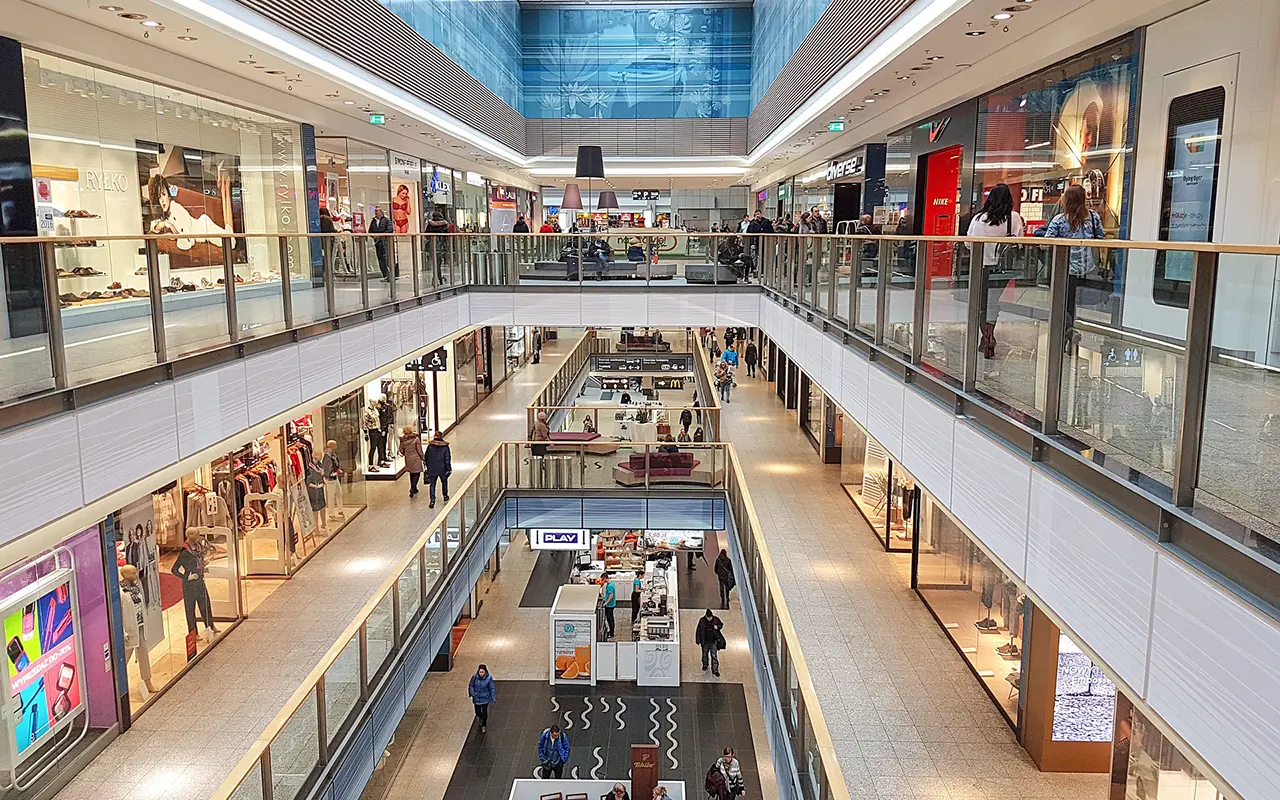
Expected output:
{"points": [[1010, 256]]}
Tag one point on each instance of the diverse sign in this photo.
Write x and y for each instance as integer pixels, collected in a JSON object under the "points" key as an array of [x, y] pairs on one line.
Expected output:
{"points": [[851, 167], [377, 119], [44, 680], [559, 539], [646, 194]]}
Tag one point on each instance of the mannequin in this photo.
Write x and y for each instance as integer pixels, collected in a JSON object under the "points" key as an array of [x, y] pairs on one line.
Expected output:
{"points": [[316, 491], [331, 469], [372, 426], [133, 613], [386, 421], [190, 567]]}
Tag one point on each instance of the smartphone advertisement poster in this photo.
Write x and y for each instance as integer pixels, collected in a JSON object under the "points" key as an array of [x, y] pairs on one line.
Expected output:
{"points": [[43, 664]]}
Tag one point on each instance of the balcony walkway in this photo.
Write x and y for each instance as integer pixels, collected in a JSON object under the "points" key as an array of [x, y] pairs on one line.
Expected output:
{"points": [[187, 743]]}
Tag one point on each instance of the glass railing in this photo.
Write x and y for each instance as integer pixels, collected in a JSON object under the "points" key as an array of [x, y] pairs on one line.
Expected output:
{"points": [[309, 731]]}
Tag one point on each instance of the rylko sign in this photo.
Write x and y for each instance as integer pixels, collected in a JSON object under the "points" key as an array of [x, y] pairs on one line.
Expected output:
{"points": [[850, 167]]}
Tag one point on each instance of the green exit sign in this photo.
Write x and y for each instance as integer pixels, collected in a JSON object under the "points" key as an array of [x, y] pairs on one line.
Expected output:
{"points": [[377, 119], [836, 126]]}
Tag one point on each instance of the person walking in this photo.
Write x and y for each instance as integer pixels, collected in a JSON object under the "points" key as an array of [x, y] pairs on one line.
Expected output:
{"points": [[553, 752], [521, 225], [438, 228], [541, 433], [731, 768], [483, 692], [610, 603], [715, 785], [723, 380], [1077, 221], [414, 457], [996, 219], [712, 640], [752, 357], [686, 419], [724, 575], [381, 223], [439, 467]]}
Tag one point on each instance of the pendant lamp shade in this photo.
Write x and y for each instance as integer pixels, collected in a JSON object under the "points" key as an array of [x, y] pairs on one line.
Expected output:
{"points": [[572, 197], [608, 200], [590, 162]]}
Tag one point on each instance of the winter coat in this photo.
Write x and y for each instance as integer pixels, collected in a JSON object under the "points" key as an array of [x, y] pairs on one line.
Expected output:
{"points": [[387, 414], [541, 432], [411, 449], [437, 226], [752, 354], [686, 418], [439, 459], [520, 227], [731, 769], [482, 690], [724, 569], [708, 632], [553, 751], [715, 786]]}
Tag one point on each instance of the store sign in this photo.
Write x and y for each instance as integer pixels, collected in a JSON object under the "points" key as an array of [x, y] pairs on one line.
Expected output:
{"points": [[405, 168], [105, 181], [668, 383], [377, 119], [553, 211], [762, 195], [475, 179], [836, 126], [851, 167], [646, 194], [556, 539], [44, 661], [937, 128], [644, 364], [784, 191]]}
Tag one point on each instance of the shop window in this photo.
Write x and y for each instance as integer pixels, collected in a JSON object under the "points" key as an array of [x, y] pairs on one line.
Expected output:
{"points": [[1145, 765]]}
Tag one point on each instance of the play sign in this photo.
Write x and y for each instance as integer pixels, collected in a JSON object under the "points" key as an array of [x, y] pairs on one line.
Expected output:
{"points": [[558, 539]]}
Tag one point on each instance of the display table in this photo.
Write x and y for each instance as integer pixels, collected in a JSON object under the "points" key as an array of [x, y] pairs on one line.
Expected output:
{"points": [[573, 635], [535, 789], [658, 645]]}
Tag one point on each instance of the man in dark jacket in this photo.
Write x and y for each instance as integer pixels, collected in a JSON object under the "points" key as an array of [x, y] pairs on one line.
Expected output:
{"points": [[381, 223], [439, 467], [708, 635], [437, 226], [724, 575], [521, 225], [752, 357]]}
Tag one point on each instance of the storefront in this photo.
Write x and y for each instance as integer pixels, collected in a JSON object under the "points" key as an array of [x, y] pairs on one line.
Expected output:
{"points": [[471, 199], [115, 155], [851, 185], [390, 406], [60, 684], [821, 420], [437, 193], [881, 488], [210, 547]]}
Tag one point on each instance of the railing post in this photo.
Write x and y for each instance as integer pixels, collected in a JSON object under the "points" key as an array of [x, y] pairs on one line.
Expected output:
{"points": [[364, 655], [415, 245], [330, 290], [229, 278], [834, 263], [919, 299], [264, 773], [581, 267], [855, 278], [1058, 324], [973, 316], [286, 281], [53, 309], [322, 721], [395, 616], [436, 275], [393, 264], [362, 261], [884, 275], [157, 302], [1186, 468]]}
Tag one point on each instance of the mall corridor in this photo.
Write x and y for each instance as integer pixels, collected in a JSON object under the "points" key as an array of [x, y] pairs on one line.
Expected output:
{"points": [[184, 746], [908, 717]]}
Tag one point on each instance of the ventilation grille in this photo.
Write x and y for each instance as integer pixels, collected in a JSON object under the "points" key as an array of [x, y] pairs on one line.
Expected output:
{"points": [[843, 30], [366, 33], [638, 137]]}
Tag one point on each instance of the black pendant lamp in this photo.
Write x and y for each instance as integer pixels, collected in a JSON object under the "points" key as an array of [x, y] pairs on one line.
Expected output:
{"points": [[590, 165]]}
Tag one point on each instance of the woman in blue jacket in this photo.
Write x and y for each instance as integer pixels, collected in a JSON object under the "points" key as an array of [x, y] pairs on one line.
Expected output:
{"points": [[482, 692]]}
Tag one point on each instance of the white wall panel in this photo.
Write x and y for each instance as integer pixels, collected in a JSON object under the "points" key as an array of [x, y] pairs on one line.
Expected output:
{"points": [[274, 382], [411, 329], [211, 406], [1093, 571], [884, 409], [433, 324], [830, 363], [990, 492], [600, 308], [853, 385], [928, 435], [736, 308], [493, 308], [561, 308], [690, 309], [126, 439], [452, 315], [357, 351], [1215, 677], [386, 340], [320, 364], [39, 475]]}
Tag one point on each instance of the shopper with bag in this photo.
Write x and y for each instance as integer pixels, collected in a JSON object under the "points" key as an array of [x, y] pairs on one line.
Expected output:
{"points": [[414, 457], [752, 357], [996, 219], [1077, 221], [724, 575], [553, 752], [439, 467], [712, 640], [731, 769]]}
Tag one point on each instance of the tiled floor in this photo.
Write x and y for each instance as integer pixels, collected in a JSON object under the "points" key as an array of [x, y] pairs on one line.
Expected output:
{"points": [[187, 743], [437, 750], [908, 718]]}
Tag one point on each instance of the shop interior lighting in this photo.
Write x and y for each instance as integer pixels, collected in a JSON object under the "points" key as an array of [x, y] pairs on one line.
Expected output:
{"points": [[935, 58], [975, 33], [131, 15], [111, 8], [151, 23], [188, 38], [1003, 15]]}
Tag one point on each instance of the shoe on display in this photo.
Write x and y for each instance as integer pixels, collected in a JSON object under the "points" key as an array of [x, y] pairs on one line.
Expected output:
{"points": [[373, 468], [115, 285], [987, 624]]}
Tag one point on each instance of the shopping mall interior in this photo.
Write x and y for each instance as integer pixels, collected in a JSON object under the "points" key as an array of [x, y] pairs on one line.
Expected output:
{"points": [[562, 399]]}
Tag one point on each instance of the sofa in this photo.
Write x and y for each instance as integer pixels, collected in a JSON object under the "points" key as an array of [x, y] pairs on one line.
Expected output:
{"points": [[664, 467]]}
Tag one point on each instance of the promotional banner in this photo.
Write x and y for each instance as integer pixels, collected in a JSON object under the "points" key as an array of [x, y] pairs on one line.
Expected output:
{"points": [[573, 539], [43, 665], [573, 649], [137, 545]]}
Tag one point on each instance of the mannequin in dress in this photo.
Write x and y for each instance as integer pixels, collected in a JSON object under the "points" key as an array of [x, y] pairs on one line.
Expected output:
{"points": [[133, 613]]}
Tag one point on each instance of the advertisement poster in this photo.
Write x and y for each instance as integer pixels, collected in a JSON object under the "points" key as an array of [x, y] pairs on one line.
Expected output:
{"points": [[191, 193], [406, 177], [42, 664], [1191, 185], [137, 544], [573, 650], [502, 208]]}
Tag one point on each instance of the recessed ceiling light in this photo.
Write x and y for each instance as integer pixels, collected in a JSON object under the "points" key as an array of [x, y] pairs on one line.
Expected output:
{"points": [[922, 68], [1003, 15], [1016, 9], [904, 77], [869, 100], [857, 108], [975, 33], [111, 8], [348, 102], [185, 38], [275, 72], [249, 61], [963, 66], [151, 23], [133, 16], [935, 58], [880, 93], [259, 66]]}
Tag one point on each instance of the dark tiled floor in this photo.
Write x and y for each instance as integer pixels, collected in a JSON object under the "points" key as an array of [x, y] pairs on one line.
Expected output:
{"points": [[691, 724], [699, 588], [549, 573]]}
